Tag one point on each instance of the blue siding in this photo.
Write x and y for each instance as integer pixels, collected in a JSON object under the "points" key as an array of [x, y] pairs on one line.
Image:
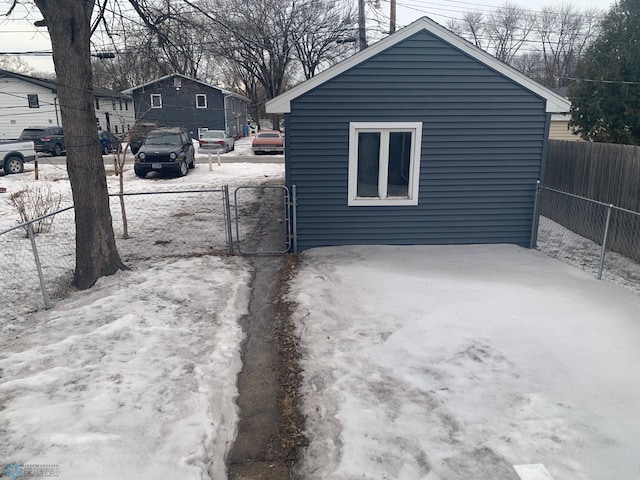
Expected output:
{"points": [[483, 140], [179, 106]]}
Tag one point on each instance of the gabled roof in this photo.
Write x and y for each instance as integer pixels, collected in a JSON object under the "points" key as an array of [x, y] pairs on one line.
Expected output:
{"points": [[555, 103], [41, 82], [53, 86], [224, 92]]}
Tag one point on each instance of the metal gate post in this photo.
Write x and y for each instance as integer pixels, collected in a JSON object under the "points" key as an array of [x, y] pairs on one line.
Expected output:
{"points": [[227, 217], [294, 215], [34, 248], [604, 242]]}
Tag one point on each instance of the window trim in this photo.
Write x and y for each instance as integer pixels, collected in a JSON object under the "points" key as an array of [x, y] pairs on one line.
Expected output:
{"points": [[414, 169], [32, 100], [156, 95], [204, 95]]}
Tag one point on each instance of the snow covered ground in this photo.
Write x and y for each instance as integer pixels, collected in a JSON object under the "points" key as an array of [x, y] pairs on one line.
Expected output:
{"points": [[420, 363], [459, 362], [135, 377]]}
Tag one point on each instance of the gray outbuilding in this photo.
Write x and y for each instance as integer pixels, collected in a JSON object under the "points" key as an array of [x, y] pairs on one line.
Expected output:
{"points": [[422, 138]]}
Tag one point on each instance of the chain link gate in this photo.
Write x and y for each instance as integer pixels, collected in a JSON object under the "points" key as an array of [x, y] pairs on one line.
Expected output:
{"points": [[263, 224]]}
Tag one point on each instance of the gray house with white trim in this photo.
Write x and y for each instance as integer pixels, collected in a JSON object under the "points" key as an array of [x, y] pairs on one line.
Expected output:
{"points": [[422, 138], [179, 101]]}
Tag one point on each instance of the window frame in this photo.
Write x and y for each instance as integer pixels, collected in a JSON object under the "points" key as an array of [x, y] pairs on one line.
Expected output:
{"points": [[204, 95], [32, 100], [159, 97], [384, 128]]}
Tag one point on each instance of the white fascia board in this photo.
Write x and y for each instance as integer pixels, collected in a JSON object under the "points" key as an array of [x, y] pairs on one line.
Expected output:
{"points": [[554, 103]]}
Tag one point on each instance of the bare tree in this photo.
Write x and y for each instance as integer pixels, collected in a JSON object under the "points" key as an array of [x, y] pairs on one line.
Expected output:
{"points": [[471, 28], [502, 34], [564, 34], [14, 64], [531, 64], [556, 38], [69, 25], [321, 26], [508, 29], [152, 39]]}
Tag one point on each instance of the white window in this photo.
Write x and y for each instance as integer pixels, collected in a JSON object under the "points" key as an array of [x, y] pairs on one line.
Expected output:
{"points": [[156, 100], [201, 100], [384, 163]]}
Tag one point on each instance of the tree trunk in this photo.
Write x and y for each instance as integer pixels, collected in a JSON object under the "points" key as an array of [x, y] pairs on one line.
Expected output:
{"points": [[69, 24]]}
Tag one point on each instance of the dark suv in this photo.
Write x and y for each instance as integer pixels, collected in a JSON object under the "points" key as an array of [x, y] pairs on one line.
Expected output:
{"points": [[165, 149], [138, 134], [45, 139]]}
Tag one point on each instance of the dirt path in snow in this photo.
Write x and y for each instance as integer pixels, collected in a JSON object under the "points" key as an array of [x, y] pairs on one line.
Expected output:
{"points": [[270, 424]]}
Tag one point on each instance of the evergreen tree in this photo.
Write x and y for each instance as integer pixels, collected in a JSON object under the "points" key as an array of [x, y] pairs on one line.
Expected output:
{"points": [[606, 97]]}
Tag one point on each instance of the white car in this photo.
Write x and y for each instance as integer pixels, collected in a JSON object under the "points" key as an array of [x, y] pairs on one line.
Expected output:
{"points": [[13, 155], [217, 140]]}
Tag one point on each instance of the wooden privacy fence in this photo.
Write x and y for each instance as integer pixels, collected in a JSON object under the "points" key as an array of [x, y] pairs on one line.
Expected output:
{"points": [[606, 173]]}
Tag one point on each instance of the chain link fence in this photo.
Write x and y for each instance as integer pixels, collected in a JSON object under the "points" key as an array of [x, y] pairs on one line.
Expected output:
{"points": [[38, 267], [594, 236], [262, 220], [169, 223]]}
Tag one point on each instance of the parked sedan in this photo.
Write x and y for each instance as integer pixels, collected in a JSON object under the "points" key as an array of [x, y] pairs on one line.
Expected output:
{"points": [[216, 140], [268, 141], [108, 142]]}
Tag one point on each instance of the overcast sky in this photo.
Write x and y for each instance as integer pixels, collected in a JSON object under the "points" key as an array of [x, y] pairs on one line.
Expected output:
{"points": [[18, 34]]}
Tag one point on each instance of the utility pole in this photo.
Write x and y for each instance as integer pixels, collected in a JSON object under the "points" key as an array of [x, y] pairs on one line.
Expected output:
{"points": [[362, 32], [392, 16]]}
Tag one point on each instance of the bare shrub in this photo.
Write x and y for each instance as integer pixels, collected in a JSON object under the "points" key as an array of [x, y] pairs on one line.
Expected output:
{"points": [[34, 202]]}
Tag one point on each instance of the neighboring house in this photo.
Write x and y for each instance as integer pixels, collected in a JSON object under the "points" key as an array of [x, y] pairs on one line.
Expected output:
{"points": [[422, 138], [27, 101], [115, 111], [559, 129], [179, 101]]}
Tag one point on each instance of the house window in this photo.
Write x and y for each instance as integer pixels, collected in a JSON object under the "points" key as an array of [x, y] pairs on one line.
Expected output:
{"points": [[116, 127], [113, 103], [384, 163], [120, 103], [32, 98], [97, 103], [156, 100], [201, 100], [126, 105]]}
